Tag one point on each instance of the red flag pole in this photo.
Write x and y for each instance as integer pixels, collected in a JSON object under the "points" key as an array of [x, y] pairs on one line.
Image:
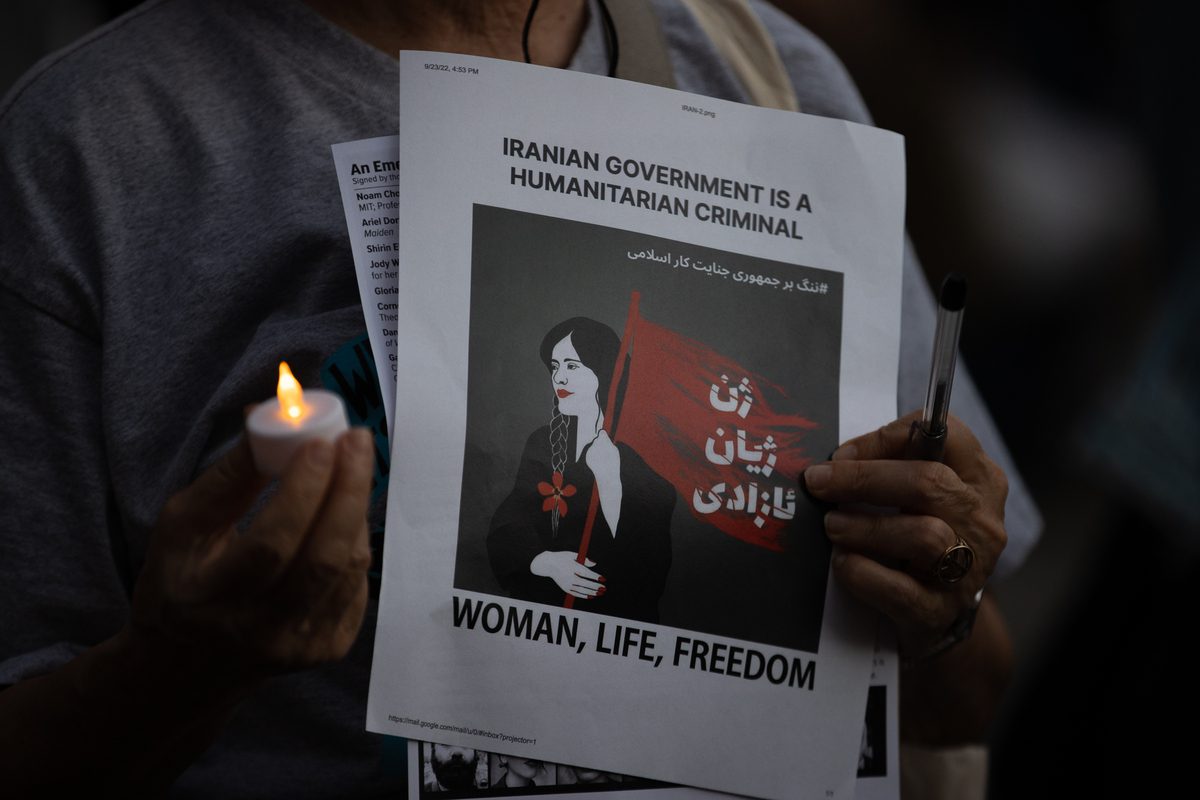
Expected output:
{"points": [[609, 428]]}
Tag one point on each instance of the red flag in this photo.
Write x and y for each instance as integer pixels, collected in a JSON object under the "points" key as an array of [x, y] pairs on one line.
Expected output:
{"points": [[711, 428]]}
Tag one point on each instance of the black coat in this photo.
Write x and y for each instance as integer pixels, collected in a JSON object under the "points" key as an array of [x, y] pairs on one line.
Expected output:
{"points": [[634, 563]]}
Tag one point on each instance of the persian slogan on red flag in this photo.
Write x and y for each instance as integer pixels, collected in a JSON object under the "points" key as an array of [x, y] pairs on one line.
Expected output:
{"points": [[717, 431]]}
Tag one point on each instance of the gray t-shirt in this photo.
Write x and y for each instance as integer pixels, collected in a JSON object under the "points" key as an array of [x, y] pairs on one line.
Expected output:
{"points": [[170, 223]]}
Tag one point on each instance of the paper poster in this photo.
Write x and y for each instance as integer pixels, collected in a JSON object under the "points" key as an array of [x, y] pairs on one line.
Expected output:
{"points": [[630, 341], [368, 181]]}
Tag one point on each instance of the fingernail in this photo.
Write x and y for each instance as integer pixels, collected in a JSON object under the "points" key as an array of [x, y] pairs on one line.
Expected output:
{"points": [[844, 453], [601, 579], [817, 477], [320, 453], [836, 522], [601, 590]]}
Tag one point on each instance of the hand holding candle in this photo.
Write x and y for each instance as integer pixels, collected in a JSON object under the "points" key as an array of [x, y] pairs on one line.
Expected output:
{"points": [[278, 427], [290, 591], [226, 604]]}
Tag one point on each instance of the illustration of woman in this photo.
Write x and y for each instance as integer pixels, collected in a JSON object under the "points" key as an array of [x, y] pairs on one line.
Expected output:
{"points": [[536, 532]]}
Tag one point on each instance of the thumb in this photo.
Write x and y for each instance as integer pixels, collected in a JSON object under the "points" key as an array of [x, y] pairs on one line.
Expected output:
{"points": [[887, 442]]}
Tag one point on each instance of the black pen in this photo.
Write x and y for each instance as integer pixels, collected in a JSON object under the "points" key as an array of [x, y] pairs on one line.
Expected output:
{"points": [[927, 438]]}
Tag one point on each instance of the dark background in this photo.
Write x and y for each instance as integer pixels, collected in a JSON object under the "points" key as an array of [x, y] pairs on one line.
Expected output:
{"points": [[1051, 150], [1052, 160], [530, 272]]}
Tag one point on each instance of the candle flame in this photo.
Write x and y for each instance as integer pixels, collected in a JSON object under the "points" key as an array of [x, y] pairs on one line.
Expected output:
{"points": [[291, 396]]}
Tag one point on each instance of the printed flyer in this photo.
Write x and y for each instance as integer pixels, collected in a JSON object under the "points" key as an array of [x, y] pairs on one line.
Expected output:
{"points": [[620, 345], [444, 771], [367, 180]]}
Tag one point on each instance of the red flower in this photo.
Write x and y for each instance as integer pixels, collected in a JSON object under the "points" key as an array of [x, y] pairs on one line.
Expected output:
{"points": [[554, 494]]}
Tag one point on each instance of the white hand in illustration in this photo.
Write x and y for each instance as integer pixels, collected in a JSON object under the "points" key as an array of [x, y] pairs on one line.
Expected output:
{"points": [[576, 579]]}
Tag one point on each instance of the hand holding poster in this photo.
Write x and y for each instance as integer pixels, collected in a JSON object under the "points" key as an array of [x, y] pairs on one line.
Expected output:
{"points": [[702, 642]]}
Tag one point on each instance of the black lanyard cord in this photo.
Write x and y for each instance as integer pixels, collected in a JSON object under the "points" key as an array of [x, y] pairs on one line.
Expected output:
{"points": [[610, 34]]}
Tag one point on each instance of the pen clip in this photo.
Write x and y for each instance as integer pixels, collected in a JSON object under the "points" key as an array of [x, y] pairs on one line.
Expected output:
{"points": [[923, 445]]}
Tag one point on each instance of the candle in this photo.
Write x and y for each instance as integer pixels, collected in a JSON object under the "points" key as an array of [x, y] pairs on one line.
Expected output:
{"points": [[277, 427]]}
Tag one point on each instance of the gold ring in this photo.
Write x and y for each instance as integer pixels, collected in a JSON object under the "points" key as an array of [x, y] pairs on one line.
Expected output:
{"points": [[955, 562]]}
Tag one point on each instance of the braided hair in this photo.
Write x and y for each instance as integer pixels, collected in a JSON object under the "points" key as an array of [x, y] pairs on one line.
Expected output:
{"points": [[597, 346]]}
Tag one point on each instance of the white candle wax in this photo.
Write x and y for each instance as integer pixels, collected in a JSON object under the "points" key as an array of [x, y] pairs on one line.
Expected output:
{"points": [[274, 436]]}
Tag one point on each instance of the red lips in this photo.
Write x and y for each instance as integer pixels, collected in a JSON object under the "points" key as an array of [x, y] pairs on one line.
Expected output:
{"points": [[563, 394]]}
